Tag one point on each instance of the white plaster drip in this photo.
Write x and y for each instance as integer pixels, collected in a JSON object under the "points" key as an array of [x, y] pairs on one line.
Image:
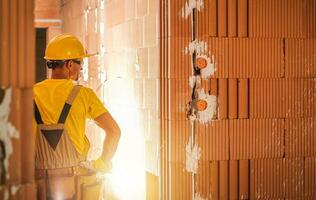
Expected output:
{"points": [[193, 154], [196, 46], [7, 130], [192, 117], [209, 70], [194, 80], [197, 196], [15, 189], [190, 5], [207, 114]]}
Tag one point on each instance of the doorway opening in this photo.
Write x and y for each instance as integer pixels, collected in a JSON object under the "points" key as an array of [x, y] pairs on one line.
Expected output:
{"points": [[41, 73]]}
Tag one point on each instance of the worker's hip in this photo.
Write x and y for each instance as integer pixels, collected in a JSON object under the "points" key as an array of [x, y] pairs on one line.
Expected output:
{"points": [[75, 183]]}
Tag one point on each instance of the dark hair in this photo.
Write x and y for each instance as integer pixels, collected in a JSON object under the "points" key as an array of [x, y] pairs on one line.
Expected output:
{"points": [[52, 64]]}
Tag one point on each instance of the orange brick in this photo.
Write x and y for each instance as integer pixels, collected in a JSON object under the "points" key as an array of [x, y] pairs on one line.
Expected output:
{"points": [[150, 30], [232, 98], [49, 9], [255, 57], [213, 18], [223, 99], [244, 179], [267, 98], [130, 9], [222, 18], [30, 46], [52, 32], [151, 94], [153, 62], [310, 177], [242, 18], [219, 48], [243, 98], [142, 54], [299, 137], [223, 179], [153, 7], [232, 18], [267, 177], [142, 8], [179, 176], [287, 18], [299, 58], [27, 136], [260, 138], [179, 138], [5, 37], [204, 184], [233, 179], [213, 139]]}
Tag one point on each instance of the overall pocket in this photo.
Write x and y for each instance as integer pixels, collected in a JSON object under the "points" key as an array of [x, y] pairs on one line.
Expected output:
{"points": [[88, 188]]}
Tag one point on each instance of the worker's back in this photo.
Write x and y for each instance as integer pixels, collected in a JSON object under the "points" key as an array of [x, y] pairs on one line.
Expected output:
{"points": [[50, 96], [60, 112]]}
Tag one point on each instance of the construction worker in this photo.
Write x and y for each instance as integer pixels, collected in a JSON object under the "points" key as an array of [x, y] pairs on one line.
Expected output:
{"points": [[61, 108]]}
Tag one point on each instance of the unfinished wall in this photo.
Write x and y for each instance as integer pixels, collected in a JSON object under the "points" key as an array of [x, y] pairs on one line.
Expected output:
{"points": [[262, 143], [17, 60], [48, 15], [132, 67], [125, 74], [80, 18]]}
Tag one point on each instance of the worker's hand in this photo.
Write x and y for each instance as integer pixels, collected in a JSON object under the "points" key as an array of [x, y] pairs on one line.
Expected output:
{"points": [[101, 166]]}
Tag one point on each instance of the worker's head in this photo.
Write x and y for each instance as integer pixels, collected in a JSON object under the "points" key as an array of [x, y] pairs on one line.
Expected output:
{"points": [[64, 55]]}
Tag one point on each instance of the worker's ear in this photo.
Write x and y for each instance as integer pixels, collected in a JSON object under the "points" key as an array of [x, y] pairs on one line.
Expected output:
{"points": [[69, 64]]}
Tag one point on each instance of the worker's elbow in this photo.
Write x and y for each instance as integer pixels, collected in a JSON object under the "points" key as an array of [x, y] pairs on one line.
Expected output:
{"points": [[117, 133]]}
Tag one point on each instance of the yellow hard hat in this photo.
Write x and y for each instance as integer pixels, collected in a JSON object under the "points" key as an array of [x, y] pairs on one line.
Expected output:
{"points": [[65, 47]]}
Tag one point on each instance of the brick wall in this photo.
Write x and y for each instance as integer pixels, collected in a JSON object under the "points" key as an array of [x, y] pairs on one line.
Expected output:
{"points": [[47, 15], [17, 74], [132, 66], [126, 72], [261, 144]]}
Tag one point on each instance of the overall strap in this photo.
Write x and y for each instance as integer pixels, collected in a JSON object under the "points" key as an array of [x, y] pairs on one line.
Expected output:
{"points": [[68, 103], [37, 115]]}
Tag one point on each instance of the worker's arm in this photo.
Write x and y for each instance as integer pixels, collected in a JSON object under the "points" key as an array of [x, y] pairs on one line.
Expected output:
{"points": [[113, 133]]}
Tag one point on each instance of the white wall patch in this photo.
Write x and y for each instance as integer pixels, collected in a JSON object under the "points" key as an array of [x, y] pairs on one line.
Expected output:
{"points": [[206, 65], [7, 130], [15, 189], [196, 46], [190, 5], [197, 196], [193, 154], [194, 80], [206, 115]]}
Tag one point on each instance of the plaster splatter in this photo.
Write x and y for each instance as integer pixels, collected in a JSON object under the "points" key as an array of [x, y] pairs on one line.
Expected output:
{"points": [[207, 114], [15, 189], [196, 46], [209, 70], [190, 5], [7, 130], [197, 196], [194, 80], [193, 154]]}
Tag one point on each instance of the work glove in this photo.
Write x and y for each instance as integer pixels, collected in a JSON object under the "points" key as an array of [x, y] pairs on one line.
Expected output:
{"points": [[101, 166]]}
